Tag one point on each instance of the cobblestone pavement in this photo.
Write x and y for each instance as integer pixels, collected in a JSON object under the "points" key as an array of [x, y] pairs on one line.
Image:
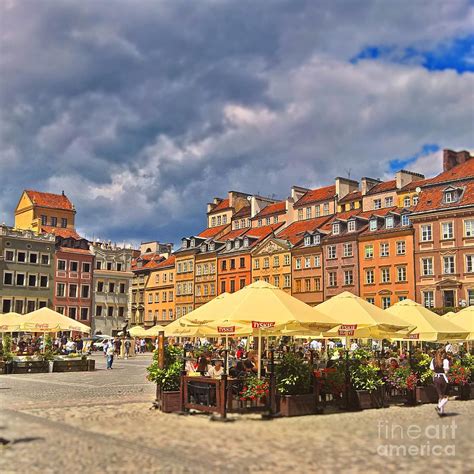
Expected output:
{"points": [[102, 422]]}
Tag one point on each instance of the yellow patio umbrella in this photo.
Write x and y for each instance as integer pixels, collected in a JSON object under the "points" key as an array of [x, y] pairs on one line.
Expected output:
{"points": [[10, 322], [358, 318], [47, 320], [206, 313], [449, 314], [429, 326], [465, 320], [138, 331], [154, 331]]}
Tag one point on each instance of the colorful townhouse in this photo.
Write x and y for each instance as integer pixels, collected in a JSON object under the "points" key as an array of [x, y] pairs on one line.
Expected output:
{"points": [[159, 293], [386, 266], [443, 222], [73, 279], [26, 270]]}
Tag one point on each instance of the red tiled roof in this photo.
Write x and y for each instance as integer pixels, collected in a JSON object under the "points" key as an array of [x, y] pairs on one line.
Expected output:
{"points": [[316, 195], [169, 262], [73, 250], [261, 232], [383, 187], [295, 232], [276, 208], [61, 232], [462, 171], [212, 231], [351, 196], [233, 234], [224, 204], [244, 212], [55, 201], [414, 184], [432, 198]]}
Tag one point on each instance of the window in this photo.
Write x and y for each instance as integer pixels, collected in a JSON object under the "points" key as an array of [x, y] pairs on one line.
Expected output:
{"points": [[9, 255], [426, 233], [427, 266], [242, 283], [401, 247], [307, 284], [402, 298], [373, 224], [276, 281], [405, 220], [266, 262], [307, 262], [98, 310], [60, 290], [275, 219], [163, 297], [385, 275], [268, 221], [110, 311], [219, 220], [157, 297], [236, 225], [335, 228], [20, 279], [448, 264], [100, 287], [370, 277], [308, 213], [224, 219], [389, 201], [469, 228], [287, 281], [237, 244], [389, 222], [170, 313], [297, 286], [326, 209], [222, 286], [228, 245], [86, 267], [72, 290], [260, 223], [44, 220], [332, 279], [317, 261], [85, 291], [109, 266], [198, 270], [32, 280], [370, 300], [317, 284], [450, 196], [73, 266], [63, 222], [62, 265], [298, 264], [348, 252], [213, 222], [428, 299], [447, 230], [19, 306], [386, 302], [331, 252], [300, 214], [369, 251], [469, 263], [348, 277], [232, 286], [401, 273], [256, 264], [60, 309], [111, 287], [33, 257], [54, 221], [384, 249], [232, 263], [98, 265], [246, 242], [317, 210], [307, 240], [351, 226], [415, 199], [317, 239], [286, 259], [119, 267], [21, 257], [470, 298], [406, 201], [84, 314], [224, 265], [276, 261], [377, 203], [72, 313]]}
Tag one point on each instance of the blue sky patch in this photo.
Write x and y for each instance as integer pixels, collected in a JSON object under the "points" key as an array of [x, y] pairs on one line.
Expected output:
{"points": [[402, 163]]}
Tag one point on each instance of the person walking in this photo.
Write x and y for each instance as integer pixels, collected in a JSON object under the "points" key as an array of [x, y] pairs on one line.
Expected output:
{"points": [[440, 366], [110, 355], [127, 345], [142, 346]]}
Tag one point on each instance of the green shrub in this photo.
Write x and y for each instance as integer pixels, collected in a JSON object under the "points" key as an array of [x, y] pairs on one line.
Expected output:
{"points": [[168, 378], [293, 376]]}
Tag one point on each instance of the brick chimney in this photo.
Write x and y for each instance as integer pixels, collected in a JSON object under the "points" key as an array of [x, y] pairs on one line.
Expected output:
{"points": [[366, 184], [344, 186], [453, 158], [404, 177]]}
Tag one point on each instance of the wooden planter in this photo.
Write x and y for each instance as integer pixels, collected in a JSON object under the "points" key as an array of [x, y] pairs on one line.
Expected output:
{"points": [[3, 367], [30, 367], [426, 394], [297, 405], [464, 392], [90, 364], [170, 401], [78, 365]]}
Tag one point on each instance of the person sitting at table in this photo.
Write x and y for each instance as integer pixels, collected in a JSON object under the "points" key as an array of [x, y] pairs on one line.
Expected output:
{"points": [[216, 370], [250, 363], [238, 370], [203, 366]]}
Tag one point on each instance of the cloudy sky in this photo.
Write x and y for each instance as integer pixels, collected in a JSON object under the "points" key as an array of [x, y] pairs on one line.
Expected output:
{"points": [[142, 111]]}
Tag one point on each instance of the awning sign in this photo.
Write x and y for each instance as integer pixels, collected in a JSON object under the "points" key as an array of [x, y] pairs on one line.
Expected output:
{"points": [[225, 329], [413, 336], [262, 324], [347, 329]]}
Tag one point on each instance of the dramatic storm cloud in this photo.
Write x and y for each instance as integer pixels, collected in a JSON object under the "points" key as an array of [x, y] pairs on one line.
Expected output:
{"points": [[143, 111]]}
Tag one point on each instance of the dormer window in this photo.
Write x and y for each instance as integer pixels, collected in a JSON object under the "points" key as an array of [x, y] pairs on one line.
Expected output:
{"points": [[237, 244], [237, 225], [307, 240], [228, 245], [405, 220], [246, 242], [184, 244], [415, 199], [336, 228], [317, 239], [260, 222], [373, 224], [193, 242], [406, 201], [450, 196], [203, 247], [351, 226], [389, 222], [212, 246]]}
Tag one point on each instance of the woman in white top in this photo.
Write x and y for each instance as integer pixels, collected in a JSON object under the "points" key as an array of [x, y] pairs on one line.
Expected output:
{"points": [[216, 370], [440, 366]]}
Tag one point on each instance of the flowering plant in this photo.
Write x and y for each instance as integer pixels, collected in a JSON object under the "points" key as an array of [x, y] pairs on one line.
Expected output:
{"points": [[459, 375], [254, 389], [332, 380], [402, 378]]}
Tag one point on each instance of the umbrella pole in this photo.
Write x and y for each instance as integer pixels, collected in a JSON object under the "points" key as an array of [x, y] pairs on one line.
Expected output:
{"points": [[259, 358]]}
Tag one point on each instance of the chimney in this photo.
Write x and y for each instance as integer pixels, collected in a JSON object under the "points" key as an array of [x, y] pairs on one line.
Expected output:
{"points": [[453, 158], [344, 186], [298, 192], [366, 184], [404, 177]]}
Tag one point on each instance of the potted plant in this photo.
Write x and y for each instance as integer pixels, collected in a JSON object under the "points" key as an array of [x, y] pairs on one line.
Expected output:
{"points": [[7, 353], [459, 376], [425, 390], [254, 389], [366, 381], [167, 379], [404, 378], [294, 382], [332, 383]]}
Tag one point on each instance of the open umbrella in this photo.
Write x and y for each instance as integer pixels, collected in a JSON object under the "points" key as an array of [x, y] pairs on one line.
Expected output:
{"points": [[465, 320], [47, 320], [154, 331], [138, 331], [429, 326], [10, 322]]}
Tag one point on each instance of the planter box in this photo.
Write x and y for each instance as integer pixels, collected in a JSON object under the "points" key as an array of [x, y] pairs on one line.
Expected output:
{"points": [[463, 392], [364, 399], [3, 367], [90, 364], [426, 394], [30, 367], [72, 365], [170, 401], [297, 405]]}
